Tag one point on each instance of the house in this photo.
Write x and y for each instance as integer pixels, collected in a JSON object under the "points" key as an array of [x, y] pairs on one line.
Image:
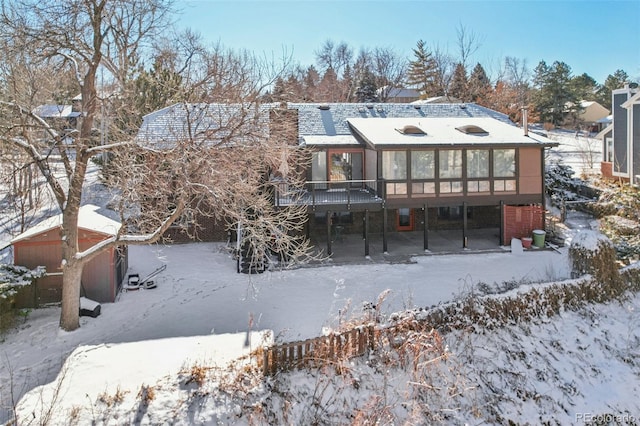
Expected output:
{"points": [[41, 245], [621, 139], [589, 115], [206, 125], [397, 94], [60, 117], [402, 167], [418, 167]]}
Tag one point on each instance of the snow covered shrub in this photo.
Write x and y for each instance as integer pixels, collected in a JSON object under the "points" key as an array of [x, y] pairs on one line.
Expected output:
{"points": [[593, 253], [560, 184], [13, 280]]}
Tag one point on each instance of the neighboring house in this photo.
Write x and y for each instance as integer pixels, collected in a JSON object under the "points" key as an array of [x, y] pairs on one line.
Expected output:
{"points": [[398, 95], [621, 139], [60, 117], [590, 114], [410, 167], [41, 245]]}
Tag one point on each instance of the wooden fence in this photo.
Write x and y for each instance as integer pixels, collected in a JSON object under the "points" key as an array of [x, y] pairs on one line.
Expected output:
{"points": [[319, 350]]}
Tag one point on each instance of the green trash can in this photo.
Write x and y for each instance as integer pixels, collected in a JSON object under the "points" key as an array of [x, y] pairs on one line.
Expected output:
{"points": [[538, 238]]}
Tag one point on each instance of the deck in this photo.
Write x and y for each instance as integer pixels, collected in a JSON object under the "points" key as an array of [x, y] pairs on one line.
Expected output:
{"points": [[321, 196]]}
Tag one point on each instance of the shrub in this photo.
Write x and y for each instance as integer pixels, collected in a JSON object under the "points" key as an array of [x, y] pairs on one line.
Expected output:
{"points": [[13, 280]]}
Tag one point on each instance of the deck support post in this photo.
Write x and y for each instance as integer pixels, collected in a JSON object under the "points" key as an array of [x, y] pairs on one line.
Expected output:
{"points": [[464, 226], [366, 232], [384, 229], [329, 229], [501, 236], [426, 227]]}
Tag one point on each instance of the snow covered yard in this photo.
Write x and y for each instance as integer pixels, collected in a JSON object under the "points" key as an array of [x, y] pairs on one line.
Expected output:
{"points": [[144, 359], [200, 294]]}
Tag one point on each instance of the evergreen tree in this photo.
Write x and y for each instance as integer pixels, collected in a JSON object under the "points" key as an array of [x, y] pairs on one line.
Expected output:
{"points": [[614, 81], [584, 87], [479, 84], [310, 83], [329, 87], [459, 87], [279, 90], [554, 93], [422, 72], [367, 89], [348, 85]]}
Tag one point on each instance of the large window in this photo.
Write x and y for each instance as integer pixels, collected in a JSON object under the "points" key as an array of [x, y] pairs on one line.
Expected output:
{"points": [[422, 164], [504, 162], [450, 164], [478, 171], [394, 165], [478, 163]]}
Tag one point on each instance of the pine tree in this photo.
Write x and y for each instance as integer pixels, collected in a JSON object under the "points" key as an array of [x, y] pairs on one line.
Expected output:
{"points": [[367, 89], [329, 87], [310, 83], [614, 81], [459, 85], [554, 92], [479, 84], [422, 70], [585, 87]]}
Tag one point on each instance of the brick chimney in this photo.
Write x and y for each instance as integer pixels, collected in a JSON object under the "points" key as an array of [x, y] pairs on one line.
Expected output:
{"points": [[525, 121]]}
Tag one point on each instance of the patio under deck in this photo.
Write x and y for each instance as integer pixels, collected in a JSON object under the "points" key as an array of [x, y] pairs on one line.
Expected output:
{"points": [[403, 246]]}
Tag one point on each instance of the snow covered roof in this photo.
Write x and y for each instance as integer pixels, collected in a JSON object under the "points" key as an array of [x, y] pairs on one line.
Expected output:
{"points": [[319, 124], [55, 111], [443, 131], [202, 123], [437, 100], [316, 140], [88, 219]]}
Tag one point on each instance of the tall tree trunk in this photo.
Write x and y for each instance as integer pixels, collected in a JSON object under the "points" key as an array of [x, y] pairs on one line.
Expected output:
{"points": [[71, 269]]}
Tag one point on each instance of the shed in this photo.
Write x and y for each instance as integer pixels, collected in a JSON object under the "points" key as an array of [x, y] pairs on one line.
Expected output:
{"points": [[41, 245]]}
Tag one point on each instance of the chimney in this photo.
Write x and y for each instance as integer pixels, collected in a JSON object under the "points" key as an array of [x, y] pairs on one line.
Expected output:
{"points": [[525, 121]]}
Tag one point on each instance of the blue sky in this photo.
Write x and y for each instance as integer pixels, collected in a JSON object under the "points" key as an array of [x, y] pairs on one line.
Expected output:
{"points": [[593, 37]]}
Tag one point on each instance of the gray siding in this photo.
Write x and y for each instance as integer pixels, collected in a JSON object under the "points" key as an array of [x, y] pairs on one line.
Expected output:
{"points": [[620, 133], [635, 142]]}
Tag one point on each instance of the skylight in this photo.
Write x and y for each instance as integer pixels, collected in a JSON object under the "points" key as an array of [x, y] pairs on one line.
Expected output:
{"points": [[410, 129], [471, 129]]}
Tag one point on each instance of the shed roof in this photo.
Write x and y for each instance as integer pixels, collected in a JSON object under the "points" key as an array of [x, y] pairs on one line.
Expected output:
{"points": [[443, 131], [88, 219]]}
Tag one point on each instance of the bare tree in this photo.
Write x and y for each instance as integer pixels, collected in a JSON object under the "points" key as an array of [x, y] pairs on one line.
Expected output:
{"points": [[84, 36], [389, 70], [101, 41], [518, 76], [336, 57], [468, 43]]}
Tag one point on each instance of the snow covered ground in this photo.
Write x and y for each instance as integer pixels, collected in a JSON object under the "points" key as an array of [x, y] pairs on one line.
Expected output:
{"points": [[202, 313], [200, 294]]}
